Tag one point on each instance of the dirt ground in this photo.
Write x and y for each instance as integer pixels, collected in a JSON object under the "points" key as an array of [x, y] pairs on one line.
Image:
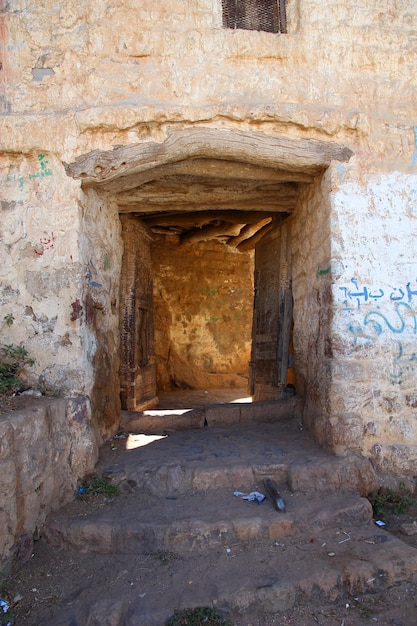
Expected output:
{"points": [[56, 578]]}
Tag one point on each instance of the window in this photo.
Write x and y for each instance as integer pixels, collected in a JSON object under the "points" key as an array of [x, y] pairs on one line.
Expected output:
{"points": [[266, 15]]}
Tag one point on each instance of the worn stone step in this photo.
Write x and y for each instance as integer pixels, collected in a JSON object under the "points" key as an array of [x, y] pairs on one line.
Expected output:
{"points": [[190, 461], [198, 522], [212, 415], [270, 576]]}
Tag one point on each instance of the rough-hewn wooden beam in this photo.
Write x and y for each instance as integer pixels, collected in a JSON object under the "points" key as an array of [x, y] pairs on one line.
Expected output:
{"points": [[279, 205], [309, 156], [249, 244], [247, 232], [206, 169], [211, 232], [195, 220]]}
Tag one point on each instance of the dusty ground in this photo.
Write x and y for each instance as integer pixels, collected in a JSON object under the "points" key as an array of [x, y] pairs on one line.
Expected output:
{"points": [[55, 578]]}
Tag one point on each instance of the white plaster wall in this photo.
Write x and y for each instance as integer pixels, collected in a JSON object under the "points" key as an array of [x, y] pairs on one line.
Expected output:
{"points": [[374, 286], [41, 268]]}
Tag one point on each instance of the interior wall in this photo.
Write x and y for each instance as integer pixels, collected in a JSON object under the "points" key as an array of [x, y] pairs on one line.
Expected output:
{"points": [[203, 298], [311, 282]]}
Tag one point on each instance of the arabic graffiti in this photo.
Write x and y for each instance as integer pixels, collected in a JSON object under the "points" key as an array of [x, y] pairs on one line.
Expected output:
{"points": [[375, 323], [353, 298], [403, 363], [403, 323], [20, 180]]}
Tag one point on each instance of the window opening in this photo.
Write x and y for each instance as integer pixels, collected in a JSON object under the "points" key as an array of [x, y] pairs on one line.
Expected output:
{"points": [[265, 15]]}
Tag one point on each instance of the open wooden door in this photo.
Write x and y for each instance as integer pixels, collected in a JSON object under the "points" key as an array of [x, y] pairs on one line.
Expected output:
{"points": [[272, 317], [137, 352]]}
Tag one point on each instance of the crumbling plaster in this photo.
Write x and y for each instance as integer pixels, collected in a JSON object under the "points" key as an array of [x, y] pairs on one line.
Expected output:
{"points": [[343, 73]]}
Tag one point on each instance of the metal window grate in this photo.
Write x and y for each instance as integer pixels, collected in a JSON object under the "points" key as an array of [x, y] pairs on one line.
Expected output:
{"points": [[266, 15]]}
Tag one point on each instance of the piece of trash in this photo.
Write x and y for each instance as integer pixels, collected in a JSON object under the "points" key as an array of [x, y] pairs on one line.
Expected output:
{"points": [[311, 540], [379, 522], [347, 605], [228, 550], [141, 595], [80, 490], [331, 554], [4, 605], [253, 495], [344, 540], [371, 580], [273, 493], [35, 393]]}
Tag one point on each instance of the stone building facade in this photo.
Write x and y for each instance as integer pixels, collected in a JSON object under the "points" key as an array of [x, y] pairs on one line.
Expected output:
{"points": [[161, 162]]}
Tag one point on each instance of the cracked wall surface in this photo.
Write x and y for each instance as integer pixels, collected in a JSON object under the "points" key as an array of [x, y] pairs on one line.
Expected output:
{"points": [[74, 83]]}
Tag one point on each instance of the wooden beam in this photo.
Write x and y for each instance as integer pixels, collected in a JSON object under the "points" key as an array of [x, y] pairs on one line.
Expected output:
{"points": [[309, 156], [171, 194], [200, 218], [206, 169], [247, 232], [249, 244], [211, 232], [278, 206]]}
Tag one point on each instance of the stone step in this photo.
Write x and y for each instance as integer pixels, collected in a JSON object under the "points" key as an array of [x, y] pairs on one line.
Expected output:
{"points": [[199, 522], [212, 415], [237, 459], [242, 581]]}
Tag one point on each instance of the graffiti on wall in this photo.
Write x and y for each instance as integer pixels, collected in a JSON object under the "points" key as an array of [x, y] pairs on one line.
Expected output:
{"points": [[389, 315], [354, 296], [19, 180]]}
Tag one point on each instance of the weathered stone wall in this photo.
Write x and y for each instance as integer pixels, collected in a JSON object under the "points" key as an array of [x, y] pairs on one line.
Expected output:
{"points": [[203, 297], [311, 278], [79, 78], [44, 449], [374, 290]]}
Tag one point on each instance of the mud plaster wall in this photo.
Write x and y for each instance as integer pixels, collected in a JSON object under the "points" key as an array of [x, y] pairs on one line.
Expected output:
{"points": [[203, 295], [311, 277], [98, 310], [75, 82]]}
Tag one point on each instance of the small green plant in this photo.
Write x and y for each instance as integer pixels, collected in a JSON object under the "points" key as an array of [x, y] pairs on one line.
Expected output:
{"points": [[98, 486], [200, 616], [13, 360], [387, 500], [9, 319]]}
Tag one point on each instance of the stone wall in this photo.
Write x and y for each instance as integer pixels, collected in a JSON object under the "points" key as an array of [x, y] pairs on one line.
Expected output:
{"points": [[311, 278], [78, 79], [203, 296], [44, 449]]}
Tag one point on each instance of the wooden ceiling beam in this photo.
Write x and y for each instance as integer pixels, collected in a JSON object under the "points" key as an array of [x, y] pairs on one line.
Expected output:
{"points": [[211, 232], [248, 232]]}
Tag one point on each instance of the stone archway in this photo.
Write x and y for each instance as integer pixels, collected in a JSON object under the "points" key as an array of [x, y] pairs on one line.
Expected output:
{"points": [[207, 183]]}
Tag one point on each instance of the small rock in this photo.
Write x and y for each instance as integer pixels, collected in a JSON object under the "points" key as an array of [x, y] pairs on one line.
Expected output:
{"points": [[409, 529]]}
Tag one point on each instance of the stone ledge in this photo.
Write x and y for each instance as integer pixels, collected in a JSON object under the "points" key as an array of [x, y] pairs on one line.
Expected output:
{"points": [[45, 447]]}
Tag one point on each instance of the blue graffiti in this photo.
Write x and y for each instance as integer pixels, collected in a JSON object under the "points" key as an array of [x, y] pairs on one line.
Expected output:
{"points": [[375, 323]]}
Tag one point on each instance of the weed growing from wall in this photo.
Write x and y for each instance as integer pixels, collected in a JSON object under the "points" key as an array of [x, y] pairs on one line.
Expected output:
{"points": [[13, 360]]}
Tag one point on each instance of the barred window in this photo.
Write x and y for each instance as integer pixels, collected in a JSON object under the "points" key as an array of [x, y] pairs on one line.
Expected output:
{"points": [[267, 15]]}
